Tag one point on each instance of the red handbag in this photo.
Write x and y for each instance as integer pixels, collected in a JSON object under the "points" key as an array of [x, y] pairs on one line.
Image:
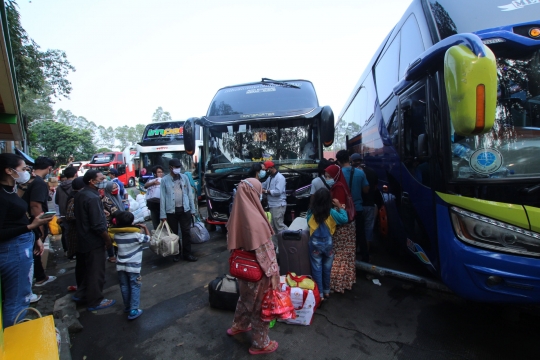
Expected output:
{"points": [[244, 266]]}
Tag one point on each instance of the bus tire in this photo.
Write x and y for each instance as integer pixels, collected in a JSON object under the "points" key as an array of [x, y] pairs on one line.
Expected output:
{"points": [[131, 182]]}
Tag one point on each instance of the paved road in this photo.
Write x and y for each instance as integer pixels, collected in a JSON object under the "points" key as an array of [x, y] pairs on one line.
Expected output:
{"points": [[391, 321]]}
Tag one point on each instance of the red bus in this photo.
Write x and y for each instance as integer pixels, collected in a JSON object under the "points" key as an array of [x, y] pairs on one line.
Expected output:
{"points": [[117, 160]]}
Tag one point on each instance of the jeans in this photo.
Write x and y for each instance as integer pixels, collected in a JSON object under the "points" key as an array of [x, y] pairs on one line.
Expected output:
{"points": [[184, 219], [370, 212], [16, 271], [130, 286], [322, 257]]}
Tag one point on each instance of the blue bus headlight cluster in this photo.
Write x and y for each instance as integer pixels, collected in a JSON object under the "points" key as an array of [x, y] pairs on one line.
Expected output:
{"points": [[217, 195], [489, 233]]}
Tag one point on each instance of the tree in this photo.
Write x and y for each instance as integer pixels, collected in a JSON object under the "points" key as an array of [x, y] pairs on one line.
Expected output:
{"points": [[105, 137], [160, 115], [103, 150], [59, 141], [122, 135]]}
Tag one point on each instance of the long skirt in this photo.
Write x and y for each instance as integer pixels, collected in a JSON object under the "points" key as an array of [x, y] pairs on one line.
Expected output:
{"points": [[343, 274], [248, 311]]}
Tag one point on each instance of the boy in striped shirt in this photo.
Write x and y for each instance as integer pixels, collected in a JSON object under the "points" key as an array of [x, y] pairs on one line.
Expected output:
{"points": [[129, 239]]}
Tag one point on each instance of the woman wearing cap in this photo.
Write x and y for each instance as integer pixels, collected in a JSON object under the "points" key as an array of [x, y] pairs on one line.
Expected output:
{"points": [[249, 230], [343, 274]]}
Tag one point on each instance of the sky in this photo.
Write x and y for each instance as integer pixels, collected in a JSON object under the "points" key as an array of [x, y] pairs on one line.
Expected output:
{"points": [[133, 56]]}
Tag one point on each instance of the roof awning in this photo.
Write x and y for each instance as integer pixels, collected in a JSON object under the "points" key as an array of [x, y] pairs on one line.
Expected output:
{"points": [[27, 158]]}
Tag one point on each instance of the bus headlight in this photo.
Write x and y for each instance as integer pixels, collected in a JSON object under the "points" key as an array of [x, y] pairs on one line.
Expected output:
{"points": [[217, 195], [493, 234], [303, 192]]}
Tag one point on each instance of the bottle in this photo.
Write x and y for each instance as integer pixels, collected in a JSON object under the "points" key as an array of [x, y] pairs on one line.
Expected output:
{"points": [[462, 151], [501, 173]]}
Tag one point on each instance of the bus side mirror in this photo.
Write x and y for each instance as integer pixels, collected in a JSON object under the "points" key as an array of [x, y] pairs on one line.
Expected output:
{"points": [[189, 136], [327, 126], [471, 89]]}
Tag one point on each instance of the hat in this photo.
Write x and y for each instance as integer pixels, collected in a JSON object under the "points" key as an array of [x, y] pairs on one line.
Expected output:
{"points": [[356, 157], [175, 163], [113, 171], [77, 184], [268, 164]]}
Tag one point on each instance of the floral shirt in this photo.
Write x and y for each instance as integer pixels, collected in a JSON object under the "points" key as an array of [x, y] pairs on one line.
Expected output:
{"points": [[266, 257]]}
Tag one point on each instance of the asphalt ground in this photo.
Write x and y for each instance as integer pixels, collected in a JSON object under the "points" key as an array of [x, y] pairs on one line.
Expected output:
{"points": [[391, 321]]}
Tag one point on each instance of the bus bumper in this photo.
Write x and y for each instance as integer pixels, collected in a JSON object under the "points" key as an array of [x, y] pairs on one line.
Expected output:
{"points": [[482, 274]]}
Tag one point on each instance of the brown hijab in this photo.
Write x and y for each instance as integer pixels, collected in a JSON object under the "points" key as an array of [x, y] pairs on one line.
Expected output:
{"points": [[248, 227]]}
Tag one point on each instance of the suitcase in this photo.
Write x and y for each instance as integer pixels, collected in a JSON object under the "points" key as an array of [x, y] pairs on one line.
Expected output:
{"points": [[223, 293], [293, 253]]}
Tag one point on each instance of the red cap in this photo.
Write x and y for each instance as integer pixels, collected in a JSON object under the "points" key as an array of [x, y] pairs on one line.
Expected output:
{"points": [[268, 164]]}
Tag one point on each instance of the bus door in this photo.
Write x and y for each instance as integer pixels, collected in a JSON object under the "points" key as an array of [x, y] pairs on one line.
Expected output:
{"points": [[416, 207]]}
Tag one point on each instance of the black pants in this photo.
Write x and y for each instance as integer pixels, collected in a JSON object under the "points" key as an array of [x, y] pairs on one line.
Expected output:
{"points": [[184, 219], [361, 242], [90, 267], [65, 229], [39, 272], [153, 206]]}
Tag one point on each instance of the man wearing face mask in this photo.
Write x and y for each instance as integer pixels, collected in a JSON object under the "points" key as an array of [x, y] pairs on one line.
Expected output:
{"points": [[93, 239], [274, 187], [37, 197], [176, 204]]}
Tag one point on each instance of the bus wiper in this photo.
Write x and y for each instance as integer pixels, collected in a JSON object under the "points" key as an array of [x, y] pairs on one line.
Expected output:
{"points": [[530, 190], [281, 83]]}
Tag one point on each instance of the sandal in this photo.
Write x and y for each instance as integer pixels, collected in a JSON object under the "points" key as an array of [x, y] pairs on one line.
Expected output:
{"points": [[105, 303], [267, 350], [232, 332], [111, 259]]}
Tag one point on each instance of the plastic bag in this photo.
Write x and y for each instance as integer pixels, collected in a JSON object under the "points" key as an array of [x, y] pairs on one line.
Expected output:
{"points": [[277, 305]]}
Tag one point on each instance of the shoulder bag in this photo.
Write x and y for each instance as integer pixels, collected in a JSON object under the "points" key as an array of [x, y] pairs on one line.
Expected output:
{"points": [[244, 266]]}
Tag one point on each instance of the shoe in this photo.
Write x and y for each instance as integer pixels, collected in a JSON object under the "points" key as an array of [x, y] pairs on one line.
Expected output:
{"points": [[190, 258], [35, 298], [232, 332], [176, 258], [267, 350], [76, 299], [72, 288], [105, 303], [133, 314], [46, 281]]}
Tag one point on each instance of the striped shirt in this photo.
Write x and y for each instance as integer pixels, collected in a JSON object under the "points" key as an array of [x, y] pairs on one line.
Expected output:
{"points": [[130, 251]]}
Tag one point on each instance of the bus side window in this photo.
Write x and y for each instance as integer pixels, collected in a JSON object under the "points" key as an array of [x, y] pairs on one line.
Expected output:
{"points": [[413, 130]]}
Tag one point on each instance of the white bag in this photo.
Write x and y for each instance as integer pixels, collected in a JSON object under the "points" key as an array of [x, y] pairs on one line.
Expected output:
{"points": [[164, 243], [304, 309], [198, 233], [140, 198]]}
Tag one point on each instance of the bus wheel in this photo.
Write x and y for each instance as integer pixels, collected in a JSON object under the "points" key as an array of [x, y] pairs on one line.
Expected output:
{"points": [[131, 182]]}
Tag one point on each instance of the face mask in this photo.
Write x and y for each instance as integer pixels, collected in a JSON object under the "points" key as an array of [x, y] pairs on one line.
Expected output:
{"points": [[330, 182], [24, 176], [47, 177], [262, 174], [177, 171], [114, 192], [101, 185]]}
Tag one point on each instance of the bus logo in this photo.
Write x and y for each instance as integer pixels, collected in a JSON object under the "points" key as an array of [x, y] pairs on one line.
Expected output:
{"points": [[486, 161], [165, 132]]}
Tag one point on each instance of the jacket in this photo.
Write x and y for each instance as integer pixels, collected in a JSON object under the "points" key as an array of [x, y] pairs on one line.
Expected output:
{"points": [[166, 203], [336, 218], [62, 195], [90, 220]]}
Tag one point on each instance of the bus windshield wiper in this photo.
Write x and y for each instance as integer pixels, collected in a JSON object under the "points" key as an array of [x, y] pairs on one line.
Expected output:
{"points": [[530, 190], [281, 83]]}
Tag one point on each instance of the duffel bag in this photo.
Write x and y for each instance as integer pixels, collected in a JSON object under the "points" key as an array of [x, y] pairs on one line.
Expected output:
{"points": [[223, 293], [198, 233], [164, 243]]}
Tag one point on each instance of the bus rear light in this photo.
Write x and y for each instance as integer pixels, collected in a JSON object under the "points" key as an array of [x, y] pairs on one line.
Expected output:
{"points": [[493, 234], [480, 108]]}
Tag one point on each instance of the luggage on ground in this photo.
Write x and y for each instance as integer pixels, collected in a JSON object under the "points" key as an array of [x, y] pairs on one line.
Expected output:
{"points": [[164, 243], [198, 232], [223, 293], [293, 253]]}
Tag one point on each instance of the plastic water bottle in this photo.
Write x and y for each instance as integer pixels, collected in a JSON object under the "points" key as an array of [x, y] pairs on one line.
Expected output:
{"points": [[501, 173], [462, 151]]}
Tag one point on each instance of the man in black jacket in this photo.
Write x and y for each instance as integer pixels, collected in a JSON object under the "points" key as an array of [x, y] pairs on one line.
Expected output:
{"points": [[61, 197], [93, 239]]}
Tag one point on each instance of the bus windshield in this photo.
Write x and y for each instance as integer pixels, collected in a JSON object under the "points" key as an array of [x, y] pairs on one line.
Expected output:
{"points": [[252, 142], [463, 16], [150, 160], [263, 99], [511, 148]]}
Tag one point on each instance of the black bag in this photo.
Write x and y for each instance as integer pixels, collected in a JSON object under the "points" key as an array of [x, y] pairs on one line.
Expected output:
{"points": [[223, 292]]}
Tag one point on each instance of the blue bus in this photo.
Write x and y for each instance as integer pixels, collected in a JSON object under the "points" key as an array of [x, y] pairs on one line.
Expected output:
{"points": [[448, 114]]}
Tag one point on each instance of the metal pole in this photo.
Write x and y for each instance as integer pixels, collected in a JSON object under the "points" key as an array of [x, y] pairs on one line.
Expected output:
{"points": [[381, 271]]}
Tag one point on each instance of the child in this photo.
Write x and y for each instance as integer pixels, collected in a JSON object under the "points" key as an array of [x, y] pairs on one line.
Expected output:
{"points": [[322, 220], [129, 240]]}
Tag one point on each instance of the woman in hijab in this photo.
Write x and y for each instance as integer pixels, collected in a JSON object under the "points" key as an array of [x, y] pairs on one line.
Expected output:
{"points": [[343, 274], [112, 202], [248, 229]]}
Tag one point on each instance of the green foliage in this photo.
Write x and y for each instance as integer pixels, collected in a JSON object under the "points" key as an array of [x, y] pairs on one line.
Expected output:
{"points": [[103, 150], [160, 115], [58, 141]]}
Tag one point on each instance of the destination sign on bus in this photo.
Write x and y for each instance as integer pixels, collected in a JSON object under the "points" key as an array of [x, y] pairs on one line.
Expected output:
{"points": [[166, 132]]}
